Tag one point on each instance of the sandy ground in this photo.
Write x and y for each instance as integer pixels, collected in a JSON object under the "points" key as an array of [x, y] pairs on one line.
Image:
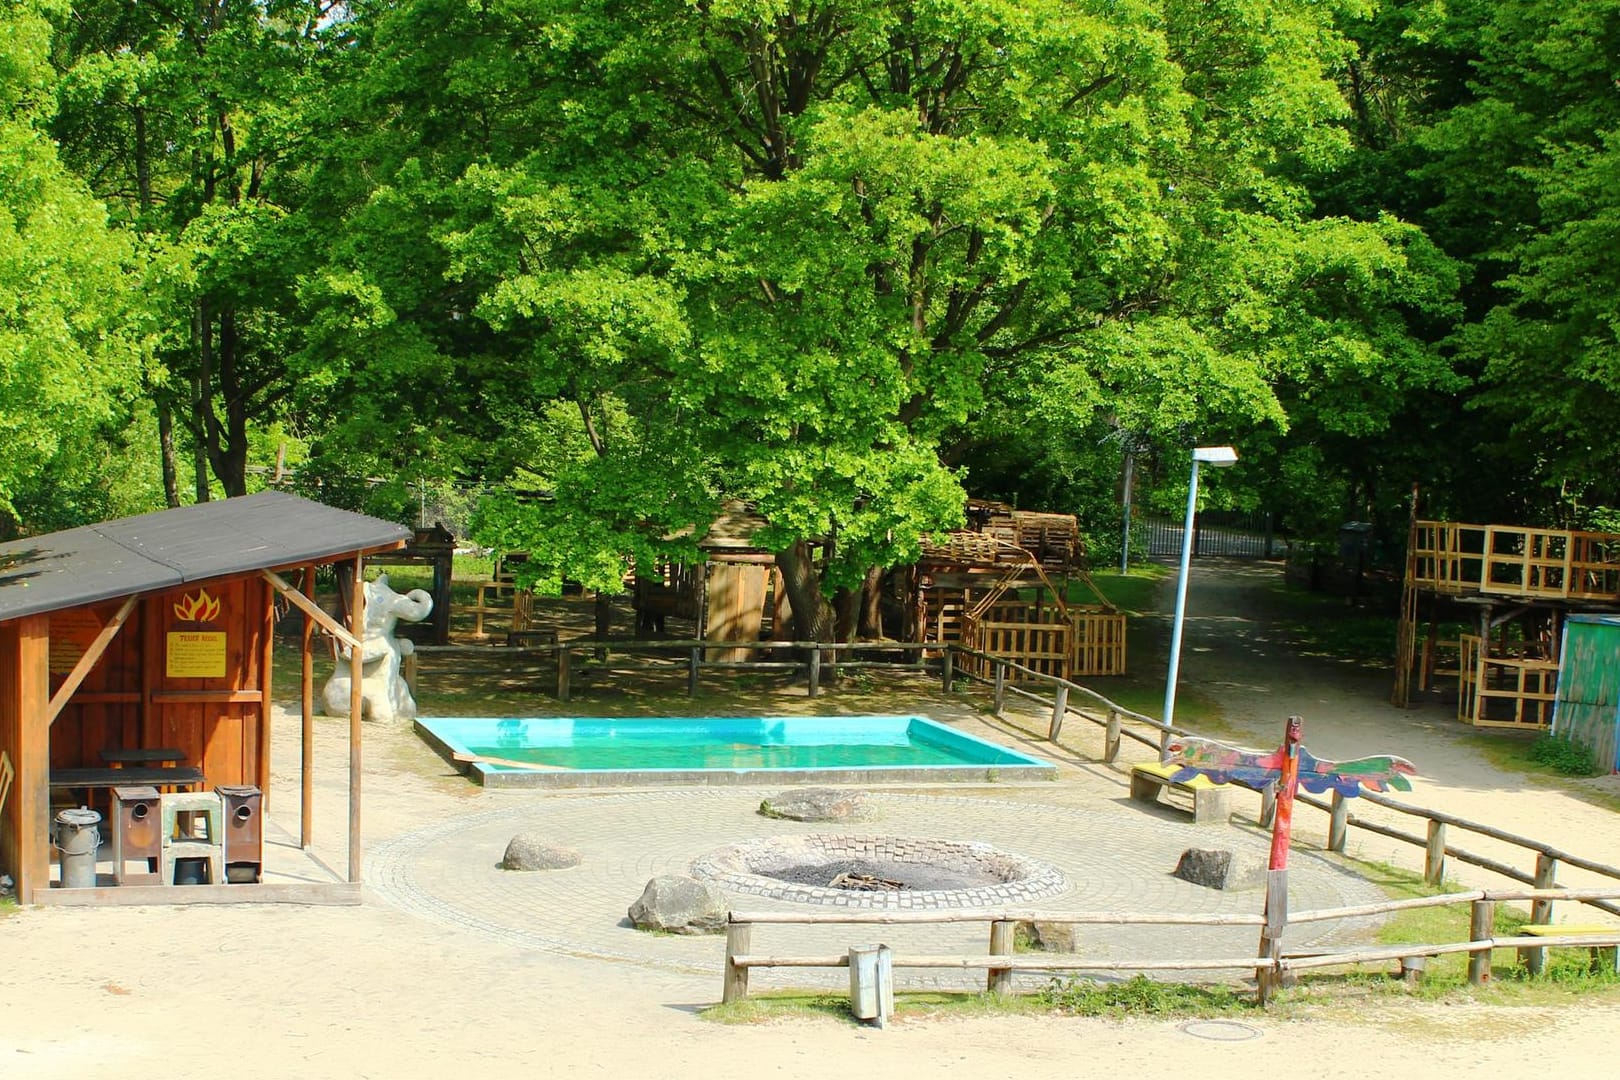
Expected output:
{"points": [[275, 991]]}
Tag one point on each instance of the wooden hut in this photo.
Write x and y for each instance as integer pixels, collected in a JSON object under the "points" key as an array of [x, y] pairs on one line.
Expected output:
{"points": [[1587, 708], [150, 638]]}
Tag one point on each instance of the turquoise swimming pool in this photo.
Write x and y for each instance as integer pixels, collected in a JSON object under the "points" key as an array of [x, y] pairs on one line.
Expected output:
{"points": [[592, 752]]}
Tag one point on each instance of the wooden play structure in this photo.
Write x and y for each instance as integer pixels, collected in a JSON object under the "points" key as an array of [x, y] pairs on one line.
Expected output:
{"points": [[989, 593], [1517, 586], [136, 654]]}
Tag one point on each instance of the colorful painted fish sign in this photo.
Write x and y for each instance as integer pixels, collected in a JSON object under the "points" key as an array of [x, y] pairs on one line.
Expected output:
{"points": [[1290, 767]]}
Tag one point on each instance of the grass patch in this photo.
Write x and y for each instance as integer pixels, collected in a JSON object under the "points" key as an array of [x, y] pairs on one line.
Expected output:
{"points": [[1563, 756], [1142, 996], [8, 908], [908, 1005], [1133, 593], [1566, 972]]}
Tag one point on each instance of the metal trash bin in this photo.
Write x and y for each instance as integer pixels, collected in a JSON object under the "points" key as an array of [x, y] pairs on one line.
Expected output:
{"points": [[76, 841], [244, 832], [871, 983]]}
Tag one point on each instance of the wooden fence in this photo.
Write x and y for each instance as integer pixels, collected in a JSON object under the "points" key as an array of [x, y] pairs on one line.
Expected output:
{"points": [[1001, 961]]}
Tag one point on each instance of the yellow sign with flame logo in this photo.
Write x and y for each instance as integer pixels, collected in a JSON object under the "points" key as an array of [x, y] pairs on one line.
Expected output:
{"points": [[196, 653]]}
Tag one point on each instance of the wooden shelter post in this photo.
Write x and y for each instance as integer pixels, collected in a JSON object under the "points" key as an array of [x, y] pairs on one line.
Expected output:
{"points": [[306, 766], [357, 627], [30, 731]]}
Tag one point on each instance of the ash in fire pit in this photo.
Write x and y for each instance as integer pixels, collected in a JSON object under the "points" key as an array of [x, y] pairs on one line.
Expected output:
{"points": [[868, 875], [879, 871]]}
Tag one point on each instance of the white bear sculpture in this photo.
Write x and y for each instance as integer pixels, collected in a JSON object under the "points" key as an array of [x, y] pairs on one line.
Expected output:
{"points": [[384, 694]]}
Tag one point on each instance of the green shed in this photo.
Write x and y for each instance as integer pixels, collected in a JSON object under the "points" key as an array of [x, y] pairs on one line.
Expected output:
{"points": [[1586, 709]]}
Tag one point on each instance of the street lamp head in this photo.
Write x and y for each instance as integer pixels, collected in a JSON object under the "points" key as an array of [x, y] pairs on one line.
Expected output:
{"points": [[1215, 455]]}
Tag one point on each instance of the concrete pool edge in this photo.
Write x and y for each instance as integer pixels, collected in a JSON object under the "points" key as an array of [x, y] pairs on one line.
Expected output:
{"points": [[618, 778]]}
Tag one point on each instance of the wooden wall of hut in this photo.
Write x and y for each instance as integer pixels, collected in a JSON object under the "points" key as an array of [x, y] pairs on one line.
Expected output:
{"points": [[200, 684], [735, 607]]}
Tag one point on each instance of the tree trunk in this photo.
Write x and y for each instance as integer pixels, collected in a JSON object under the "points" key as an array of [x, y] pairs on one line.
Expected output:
{"points": [[871, 624], [171, 464], [813, 618]]}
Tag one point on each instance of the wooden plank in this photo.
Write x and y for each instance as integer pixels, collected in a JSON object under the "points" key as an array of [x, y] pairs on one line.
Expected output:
{"points": [[306, 735], [984, 915], [201, 697], [88, 660], [1017, 962], [357, 624], [31, 793], [310, 608]]}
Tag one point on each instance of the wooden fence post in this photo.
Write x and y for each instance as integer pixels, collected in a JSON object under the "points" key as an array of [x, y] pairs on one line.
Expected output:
{"points": [[1002, 936], [947, 666], [1111, 739], [1267, 977], [813, 676], [1481, 926], [408, 670], [1001, 687], [1535, 959], [738, 938], [1268, 805], [563, 664], [1338, 822], [1546, 878], [692, 662], [1060, 709], [1434, 858]]}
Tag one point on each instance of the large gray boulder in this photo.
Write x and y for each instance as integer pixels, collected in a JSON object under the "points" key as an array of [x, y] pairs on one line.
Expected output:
{"points": [[1050, 936], [680, 905], [1219, 869], [819, 804], [526, 851]]}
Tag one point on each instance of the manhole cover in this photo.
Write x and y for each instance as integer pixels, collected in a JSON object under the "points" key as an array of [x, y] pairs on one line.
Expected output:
{"points": [[1221, 1030]]}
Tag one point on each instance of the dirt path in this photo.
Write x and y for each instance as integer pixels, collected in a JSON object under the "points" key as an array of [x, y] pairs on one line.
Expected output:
{"points": [[370, 992]]}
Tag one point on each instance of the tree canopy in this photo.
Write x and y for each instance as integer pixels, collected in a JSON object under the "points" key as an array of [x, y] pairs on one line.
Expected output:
{"points": [[844, 260]]}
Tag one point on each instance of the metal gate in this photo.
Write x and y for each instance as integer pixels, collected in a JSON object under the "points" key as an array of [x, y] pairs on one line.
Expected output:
{"points": [[1226, 533]]}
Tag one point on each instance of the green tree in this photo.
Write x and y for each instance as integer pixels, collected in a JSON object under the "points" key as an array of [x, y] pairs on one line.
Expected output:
{"points": [[817, 256], [71, 348], [193, 123]]}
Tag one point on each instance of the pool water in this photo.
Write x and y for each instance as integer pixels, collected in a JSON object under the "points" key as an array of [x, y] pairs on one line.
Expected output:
{"points": [[643, 749]]}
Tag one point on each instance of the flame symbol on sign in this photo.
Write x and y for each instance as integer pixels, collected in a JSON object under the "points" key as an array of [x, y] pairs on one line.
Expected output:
{"points": [[199, 608]]}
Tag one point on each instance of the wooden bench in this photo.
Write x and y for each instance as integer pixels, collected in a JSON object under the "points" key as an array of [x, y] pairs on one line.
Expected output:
{"points": [[173, 776], [1210, 801], [1605, 956]]}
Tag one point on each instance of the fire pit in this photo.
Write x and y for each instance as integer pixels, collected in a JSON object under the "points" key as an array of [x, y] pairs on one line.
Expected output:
{"points": [[879, 871]]}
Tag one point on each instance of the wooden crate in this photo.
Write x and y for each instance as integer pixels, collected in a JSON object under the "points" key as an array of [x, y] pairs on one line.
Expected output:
{"points": [[1037, 637], [1097, 643], [1504, 691]]}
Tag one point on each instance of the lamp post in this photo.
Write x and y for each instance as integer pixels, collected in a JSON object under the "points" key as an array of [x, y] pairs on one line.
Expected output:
{"points": [[1219, 456]]}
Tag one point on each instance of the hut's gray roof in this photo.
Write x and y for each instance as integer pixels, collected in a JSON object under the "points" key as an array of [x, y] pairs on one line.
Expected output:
{"points": [[169, 548]]}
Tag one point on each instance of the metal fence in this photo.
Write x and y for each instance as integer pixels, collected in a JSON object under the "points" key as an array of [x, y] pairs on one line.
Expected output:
{"points": [[1217, 532]]}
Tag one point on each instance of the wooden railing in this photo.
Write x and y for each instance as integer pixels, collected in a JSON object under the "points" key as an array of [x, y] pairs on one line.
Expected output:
{"points": [[1001, 961], [1508, 560]]}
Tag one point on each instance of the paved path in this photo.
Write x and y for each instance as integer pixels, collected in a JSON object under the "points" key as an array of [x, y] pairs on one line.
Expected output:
{"points": [[1115, 855]]}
